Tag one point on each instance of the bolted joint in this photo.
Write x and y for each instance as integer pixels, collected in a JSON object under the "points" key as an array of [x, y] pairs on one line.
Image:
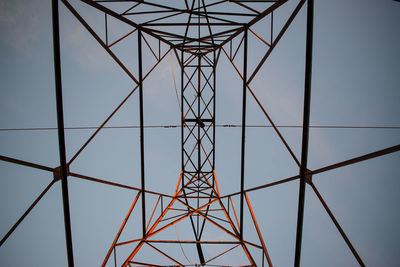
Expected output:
{"points": [[308, 176], [57, 174], [200, 122]]}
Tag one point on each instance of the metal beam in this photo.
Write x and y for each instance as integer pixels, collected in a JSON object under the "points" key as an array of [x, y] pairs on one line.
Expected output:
{"points": [[26, 163], [282, 181], [258, 232], [120, 230], [243, 132], [26, 213], [260, 16], [342, 233], [99, 40], [141, 131], [196, 231], [277, 39], [124, 19], [61, 137], [358, 159], [306, 124]]}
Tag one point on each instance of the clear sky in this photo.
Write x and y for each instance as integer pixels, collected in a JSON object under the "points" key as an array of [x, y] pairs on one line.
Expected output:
{"points": [[355, 82]]}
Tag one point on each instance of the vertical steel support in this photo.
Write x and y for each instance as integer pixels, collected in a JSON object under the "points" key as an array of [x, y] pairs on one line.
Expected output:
{"points": [[214, 110], [198, 115], [182, 115], [61, 137], [243, 131], [306, 123], [198, 245], [141, 132]]}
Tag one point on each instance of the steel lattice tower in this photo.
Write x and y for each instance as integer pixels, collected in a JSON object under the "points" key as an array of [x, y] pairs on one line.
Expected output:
{"points": [[198, 33]]}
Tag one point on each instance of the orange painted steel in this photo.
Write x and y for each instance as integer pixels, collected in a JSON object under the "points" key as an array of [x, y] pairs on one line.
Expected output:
{"points": [[197, 189], [219, 255], [166, 255], [200, 211], [258, 230], [201, 185], [234, 211], [259, 37], [151, 233], [120, 230], [121, 38], [152, 214]]}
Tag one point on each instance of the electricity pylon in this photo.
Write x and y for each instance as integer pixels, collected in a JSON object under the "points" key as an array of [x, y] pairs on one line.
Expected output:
{"points": [[198, 32], [197, 197]]}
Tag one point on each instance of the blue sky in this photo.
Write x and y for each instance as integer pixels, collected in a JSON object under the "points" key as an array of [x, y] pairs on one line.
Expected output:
{"points": [[355, 82]]}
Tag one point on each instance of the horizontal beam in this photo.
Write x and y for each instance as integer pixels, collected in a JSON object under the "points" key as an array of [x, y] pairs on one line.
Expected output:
{"points": [[358, 159], [265, 186], [92, 179], [217, 125], [26, 163]]}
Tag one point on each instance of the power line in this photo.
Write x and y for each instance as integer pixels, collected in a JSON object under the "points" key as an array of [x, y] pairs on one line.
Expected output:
{"points": [[218, 126]]}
